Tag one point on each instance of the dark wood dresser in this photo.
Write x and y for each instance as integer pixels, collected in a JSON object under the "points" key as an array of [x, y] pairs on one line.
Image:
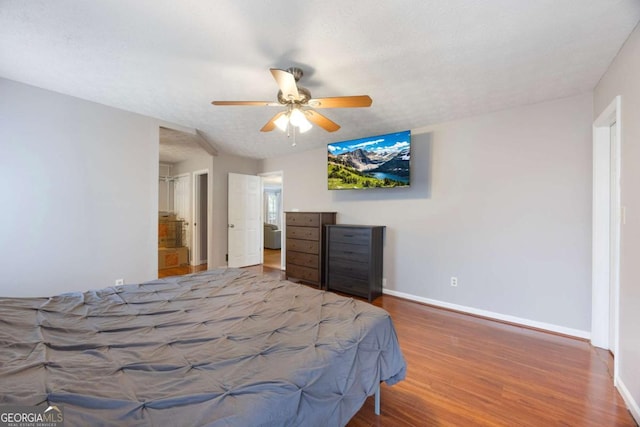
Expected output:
{"points": [[305, 245], [354, 259]]}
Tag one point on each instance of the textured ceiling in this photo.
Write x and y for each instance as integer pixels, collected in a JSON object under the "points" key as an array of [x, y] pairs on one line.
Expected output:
{"points": [[422, 61], [177, 146]]}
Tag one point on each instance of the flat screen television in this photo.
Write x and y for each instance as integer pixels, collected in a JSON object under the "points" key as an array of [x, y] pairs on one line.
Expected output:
{"points": [[381, 161]]}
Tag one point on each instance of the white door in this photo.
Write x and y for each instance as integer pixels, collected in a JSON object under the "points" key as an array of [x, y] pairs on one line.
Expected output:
{"points": [[244, 232]]}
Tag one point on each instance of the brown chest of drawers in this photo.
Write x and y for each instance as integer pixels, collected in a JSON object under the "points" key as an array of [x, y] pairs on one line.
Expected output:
{"points": [[305, 252], [354, 259]]}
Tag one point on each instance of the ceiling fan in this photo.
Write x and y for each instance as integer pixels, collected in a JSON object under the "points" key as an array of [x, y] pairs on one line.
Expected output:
{"points": [[299, 106]]}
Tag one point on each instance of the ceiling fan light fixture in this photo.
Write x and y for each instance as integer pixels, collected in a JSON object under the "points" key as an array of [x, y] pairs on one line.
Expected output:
{"points": [[298, 119], [304, 126], [282, 122]]}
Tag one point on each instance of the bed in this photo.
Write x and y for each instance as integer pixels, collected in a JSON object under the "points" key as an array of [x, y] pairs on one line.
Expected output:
{"points": [[226, 347]]}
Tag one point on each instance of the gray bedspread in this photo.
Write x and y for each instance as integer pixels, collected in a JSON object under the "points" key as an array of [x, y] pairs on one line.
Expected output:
{"points": [[224, 347]]}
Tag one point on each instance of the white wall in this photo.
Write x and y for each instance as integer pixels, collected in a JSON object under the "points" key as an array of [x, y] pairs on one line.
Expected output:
{"points": [[79, 195], [502, 201], [622, 79]]}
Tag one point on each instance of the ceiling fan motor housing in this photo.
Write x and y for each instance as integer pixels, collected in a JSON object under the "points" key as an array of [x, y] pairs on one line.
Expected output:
{"points": [[304, 93]]}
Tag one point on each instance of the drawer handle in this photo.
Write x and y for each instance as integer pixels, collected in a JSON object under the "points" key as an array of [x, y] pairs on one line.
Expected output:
{"points": [[348, 235]]}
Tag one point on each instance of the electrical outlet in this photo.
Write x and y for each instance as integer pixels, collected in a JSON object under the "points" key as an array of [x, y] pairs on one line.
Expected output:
{"points": [[384, 282], [454, 281], [119, 282]]}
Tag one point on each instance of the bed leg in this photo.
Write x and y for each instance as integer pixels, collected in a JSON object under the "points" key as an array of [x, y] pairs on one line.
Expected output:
{"points": [[377, 400]]}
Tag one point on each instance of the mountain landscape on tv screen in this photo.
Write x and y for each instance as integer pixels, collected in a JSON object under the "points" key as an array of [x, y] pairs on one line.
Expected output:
{"points": [[380, 162]]}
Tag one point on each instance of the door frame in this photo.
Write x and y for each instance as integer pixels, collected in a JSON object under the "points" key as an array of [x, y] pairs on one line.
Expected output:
{"points": [[283, 237], [605, 285], [196, 257], [189, 204]]}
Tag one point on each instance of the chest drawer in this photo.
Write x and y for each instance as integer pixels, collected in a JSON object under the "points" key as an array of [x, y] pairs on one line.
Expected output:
{"points": [[305, 260], [306, 233], [349, 285], [345, 251], [303, 219], [303, 273], [306, 246], [348, 268], [354, 236]]}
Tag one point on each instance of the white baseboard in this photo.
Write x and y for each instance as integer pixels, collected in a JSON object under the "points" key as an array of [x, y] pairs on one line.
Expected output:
{"points": [[632, 405], [492, 315]]}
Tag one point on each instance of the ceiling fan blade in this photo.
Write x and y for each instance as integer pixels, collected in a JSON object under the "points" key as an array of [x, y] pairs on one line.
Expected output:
{"points": [[321, 121], [341, 102], [271, 124], [250, 103], [286, 83]]}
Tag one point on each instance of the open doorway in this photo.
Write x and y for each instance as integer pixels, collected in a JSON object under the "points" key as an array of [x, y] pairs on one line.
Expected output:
{"points": [[199, 247], [608, 217], [184, 203], [273, 218]]}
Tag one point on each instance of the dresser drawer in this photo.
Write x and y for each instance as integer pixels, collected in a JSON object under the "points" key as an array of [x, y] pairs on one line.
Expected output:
{"points": [[348, 285], [306, 246], [306, 233], [303, 273], [354, 236], [303, 219], [348, 268], [305, 260], [353, 253]]}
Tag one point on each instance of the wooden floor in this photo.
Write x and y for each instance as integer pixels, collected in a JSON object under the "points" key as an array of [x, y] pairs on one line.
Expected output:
{"points": [[272, 258], [468, 371], [180, 271]]}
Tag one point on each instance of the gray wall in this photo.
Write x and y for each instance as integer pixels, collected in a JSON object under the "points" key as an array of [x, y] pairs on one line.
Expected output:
{"points": [[80, 200], [622, 78], [79, 195], [502, 201]]}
